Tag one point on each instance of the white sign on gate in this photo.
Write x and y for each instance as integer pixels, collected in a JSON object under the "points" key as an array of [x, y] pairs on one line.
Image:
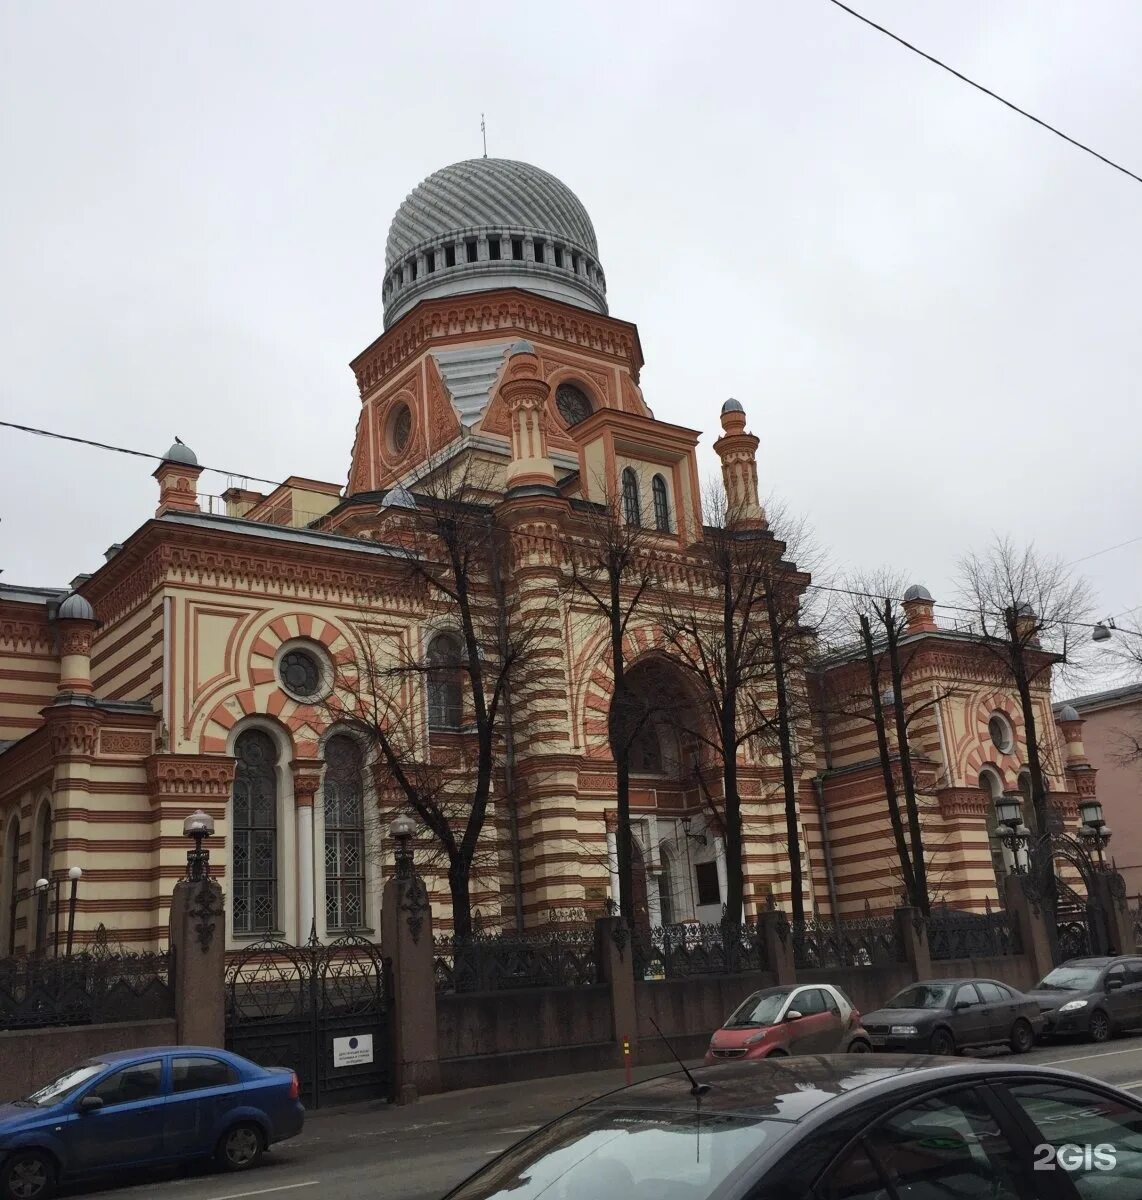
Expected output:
{"points": [[353, 1051]]}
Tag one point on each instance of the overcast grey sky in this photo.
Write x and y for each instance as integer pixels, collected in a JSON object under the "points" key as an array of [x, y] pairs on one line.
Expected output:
{"points": [[928, 306]]}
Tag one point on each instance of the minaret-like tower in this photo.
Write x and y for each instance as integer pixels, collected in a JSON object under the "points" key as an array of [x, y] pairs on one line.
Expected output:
{"points": [[738, 452]]}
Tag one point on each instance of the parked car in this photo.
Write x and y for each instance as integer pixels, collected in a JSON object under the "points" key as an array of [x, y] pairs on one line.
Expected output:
{"points": [[817, 1019], [833, 1127], [142, 1108], [1097, 997], [941, 1016]]}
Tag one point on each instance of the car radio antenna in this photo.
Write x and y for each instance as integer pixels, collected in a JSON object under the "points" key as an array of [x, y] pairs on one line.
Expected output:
{"points": [[697, 1090]]}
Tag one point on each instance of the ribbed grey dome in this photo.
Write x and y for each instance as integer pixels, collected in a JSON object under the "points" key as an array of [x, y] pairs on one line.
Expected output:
{"points": [[918, 592], [732, 405], [1069, 713], [181, 453], [75, 608], [502, 223]]}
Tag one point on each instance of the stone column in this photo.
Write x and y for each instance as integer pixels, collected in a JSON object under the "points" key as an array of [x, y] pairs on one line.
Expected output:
{"points": [[615, 956], [406, 941], [198, 949], [720, 862], [613, 856], [306, 782], [1109, 894], [525, 392], [1026, 912], [913, 932], [774, 928]]}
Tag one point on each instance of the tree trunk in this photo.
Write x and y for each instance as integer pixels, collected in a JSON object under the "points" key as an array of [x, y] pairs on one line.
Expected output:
{"points": [[919, 866], [620, 751], [732, 815], [459, 884], [886, 762], [792, 823]]}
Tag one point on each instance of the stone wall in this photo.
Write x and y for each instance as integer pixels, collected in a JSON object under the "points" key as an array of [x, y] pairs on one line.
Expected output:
{"points": [[688, 1011], [31, 1057]]}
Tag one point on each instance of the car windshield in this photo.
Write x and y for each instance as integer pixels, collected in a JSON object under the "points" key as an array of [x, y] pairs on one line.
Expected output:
{"points": [[923, 995], [63, 1085], [1071, 979], [619, 1153], [760, 1009]]}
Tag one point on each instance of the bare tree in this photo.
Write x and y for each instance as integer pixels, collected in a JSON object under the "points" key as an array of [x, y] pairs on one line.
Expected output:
{"points": [[1028, 613], [738, 637], [454, 565], [1125, 647], [609, 566]]}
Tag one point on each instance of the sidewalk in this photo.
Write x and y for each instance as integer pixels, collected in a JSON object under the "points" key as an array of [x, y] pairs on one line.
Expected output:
{"points": [[530, 1102]]}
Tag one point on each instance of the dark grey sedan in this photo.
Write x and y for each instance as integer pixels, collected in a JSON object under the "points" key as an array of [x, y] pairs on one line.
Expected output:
{"points": [[835, 1127], [1098, 997], [941, 1016]]}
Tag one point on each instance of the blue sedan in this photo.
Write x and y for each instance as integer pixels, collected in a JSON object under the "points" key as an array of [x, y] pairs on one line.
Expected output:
{"points": [[143, 1108]]}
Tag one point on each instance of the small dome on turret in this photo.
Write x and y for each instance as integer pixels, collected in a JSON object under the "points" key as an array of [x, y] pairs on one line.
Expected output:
{"points": [[918, 592], [1069, 713], [180, 452], [75, 608], [732, 405], [523, 346]]}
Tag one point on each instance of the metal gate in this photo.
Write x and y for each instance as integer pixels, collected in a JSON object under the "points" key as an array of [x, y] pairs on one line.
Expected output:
{"points": [[322, 1011]]}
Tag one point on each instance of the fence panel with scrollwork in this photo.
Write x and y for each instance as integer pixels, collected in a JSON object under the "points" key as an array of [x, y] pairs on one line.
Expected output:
{"points": [[502, 961], [679, 951], [864, 942], [84, 989], [953, 934]]}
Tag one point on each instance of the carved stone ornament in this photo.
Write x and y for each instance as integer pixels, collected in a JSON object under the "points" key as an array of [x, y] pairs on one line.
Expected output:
{"points": [[919, 925], [206, 910], [783, 928], [620, 935], [1117, 887], [415, 904]]}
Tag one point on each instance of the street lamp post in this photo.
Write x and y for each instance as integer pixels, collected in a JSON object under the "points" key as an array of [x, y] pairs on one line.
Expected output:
{"points": [[1013, 834], [1094, 833], [401, 831], [199, 826], [75, 874], [55, 932], [41, 891]]}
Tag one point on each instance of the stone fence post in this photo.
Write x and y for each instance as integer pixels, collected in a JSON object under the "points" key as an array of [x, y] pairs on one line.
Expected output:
{"points": [[777, 935], [1028, 915], [406, 940], [614, 953], [1109, 894], [912, 930], [198, 953]]}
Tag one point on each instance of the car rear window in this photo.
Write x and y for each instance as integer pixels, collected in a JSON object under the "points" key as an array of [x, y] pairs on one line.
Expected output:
{"points": [[189, 1074], [597, 1154]]}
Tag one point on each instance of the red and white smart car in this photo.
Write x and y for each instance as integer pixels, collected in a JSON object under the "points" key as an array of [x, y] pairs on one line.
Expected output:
{"points": [[802, 1019]]}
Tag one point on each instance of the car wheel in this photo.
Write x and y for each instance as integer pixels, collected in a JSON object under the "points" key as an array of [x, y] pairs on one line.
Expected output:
{"points": [[942, 1042], [778, 1054], [240, 1147], [1099, 1026], [860, 1047], [1022, 1036], [29, 1175]]}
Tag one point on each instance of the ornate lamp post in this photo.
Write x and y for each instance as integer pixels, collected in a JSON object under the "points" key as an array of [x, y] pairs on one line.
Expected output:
{"points": [[1094, 834], [75, 874], [199, 825], [1013, 834], [401, 831], [41, 891]]}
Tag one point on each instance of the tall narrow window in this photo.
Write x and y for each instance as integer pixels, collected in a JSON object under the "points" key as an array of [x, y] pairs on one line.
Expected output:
{"points": [[445, 697], [539, 256], [631, 508], [449, 256], [12, 879], [255, 832], [344, 834], [493, 247], [471, 250], [661, 504], [45, 872]]}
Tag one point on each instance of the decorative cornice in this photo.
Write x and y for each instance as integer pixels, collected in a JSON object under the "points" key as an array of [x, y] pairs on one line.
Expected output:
{"points": [[23, 763], [197, 776]]}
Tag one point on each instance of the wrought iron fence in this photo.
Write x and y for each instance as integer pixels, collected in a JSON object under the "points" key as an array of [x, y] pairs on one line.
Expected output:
{"points": [[958, 934], [863, 942], [84, 989], [678, 951], [501, 961], [1136, 919]]}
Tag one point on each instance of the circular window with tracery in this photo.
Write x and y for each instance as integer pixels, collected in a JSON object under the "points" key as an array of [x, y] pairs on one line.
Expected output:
{"points": [[400, 429], [572, 402], [1001, 733], [300, 674]]}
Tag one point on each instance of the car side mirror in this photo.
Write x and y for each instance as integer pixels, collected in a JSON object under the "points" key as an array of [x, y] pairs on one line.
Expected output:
{"points": [[793, 1015], [963, 1004], [90, 1104], [1112, 985]]}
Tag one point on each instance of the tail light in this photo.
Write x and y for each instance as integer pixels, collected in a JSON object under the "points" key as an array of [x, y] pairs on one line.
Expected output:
{"points": [[294, 1086]]}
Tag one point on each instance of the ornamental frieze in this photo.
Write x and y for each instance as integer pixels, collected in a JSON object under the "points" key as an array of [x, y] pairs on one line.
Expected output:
{"points": [[202, 776], [963, 802], [72, 737]]}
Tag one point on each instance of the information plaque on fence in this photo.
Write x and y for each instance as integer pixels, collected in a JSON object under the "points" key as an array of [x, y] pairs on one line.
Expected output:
{"points": [[353, 1051]]}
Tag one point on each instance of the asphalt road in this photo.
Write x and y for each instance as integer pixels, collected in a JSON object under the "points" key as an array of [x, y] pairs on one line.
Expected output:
{"points": [[418, 1152]]}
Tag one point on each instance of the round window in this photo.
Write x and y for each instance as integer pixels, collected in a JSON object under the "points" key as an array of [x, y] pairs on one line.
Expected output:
{"points": [[300, 674], [572, 403], [400, 428], [1001, 734]]}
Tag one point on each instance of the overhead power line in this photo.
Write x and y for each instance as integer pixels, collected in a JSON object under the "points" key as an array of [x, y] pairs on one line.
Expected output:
{"points": [[817, 587], [987, 91]]}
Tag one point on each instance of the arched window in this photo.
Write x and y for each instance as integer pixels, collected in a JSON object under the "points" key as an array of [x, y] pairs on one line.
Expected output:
{"points": [[12, 881], [344, 804], [646, 751], [661, 504], [445, 695], [44, 871], [255, 833], [631, 509]]}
